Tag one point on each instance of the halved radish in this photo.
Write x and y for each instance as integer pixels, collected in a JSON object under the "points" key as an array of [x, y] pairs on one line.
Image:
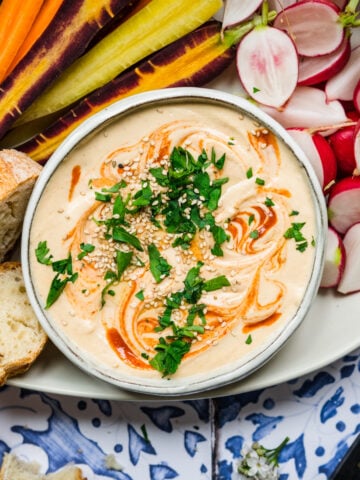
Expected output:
{"points": [[335, 257], [356, 98], [314, 70], [308, 108], [344, 204], [342, 85], [267, 65], [350, 279], [313, 25], [319, 153], [236, 12]]}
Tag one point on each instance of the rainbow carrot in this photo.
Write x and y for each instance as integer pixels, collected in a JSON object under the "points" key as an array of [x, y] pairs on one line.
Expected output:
{"points": [[46, 14], [16, 20]]}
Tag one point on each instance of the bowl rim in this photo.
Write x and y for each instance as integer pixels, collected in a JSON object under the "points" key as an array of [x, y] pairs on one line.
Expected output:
{"points": [[97, 121]]}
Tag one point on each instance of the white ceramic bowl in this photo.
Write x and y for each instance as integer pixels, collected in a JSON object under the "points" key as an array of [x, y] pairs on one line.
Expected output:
{"points": [[209, 370]]}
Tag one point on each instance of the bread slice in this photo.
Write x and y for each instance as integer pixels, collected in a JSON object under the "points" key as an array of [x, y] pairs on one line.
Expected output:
{"points": [[14, 468], [18, 173], [21, 336]]}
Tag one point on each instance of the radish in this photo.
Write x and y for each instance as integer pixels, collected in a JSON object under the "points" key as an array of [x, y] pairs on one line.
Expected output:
{"points": [[314, 70], [344, 204], [279, 5], [334, 263], [236, 12], [267, 65], [308, 108], [313, 25], [350, 279], [343, 142], [342, 85], [356, 98], [357, 148], [319, 153]]}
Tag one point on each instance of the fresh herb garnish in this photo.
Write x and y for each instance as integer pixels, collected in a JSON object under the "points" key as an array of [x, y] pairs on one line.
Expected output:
{"points": [[140, 295], [86, 248], [254, 234], [259, 181], [295, 232], [63, 269], [159, 267], [248, 340], [268, 202]]}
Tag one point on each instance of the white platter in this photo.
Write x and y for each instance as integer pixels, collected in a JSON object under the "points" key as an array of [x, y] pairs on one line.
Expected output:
{"points": [[330, 330]]}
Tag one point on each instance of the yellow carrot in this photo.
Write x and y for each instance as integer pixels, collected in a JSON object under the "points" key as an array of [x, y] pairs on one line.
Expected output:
{"points": [[16, 19], [41, 22], [156, 25]]}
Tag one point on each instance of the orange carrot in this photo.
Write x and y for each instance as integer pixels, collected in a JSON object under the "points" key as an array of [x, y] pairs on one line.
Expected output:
{"points": [[41, 22], [16, 19]]}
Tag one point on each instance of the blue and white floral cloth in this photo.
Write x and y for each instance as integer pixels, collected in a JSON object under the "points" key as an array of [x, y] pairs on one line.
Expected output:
{"points": [[192, 439]]}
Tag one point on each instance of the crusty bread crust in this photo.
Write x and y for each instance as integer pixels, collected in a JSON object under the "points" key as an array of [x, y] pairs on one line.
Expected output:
{"points": [[14, 468], [22, 338], [18, 173]]}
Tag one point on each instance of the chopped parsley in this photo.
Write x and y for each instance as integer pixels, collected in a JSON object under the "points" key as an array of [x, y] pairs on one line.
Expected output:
{"points": [[85, 249], [159, 267], [248, 340], [294, 232]]}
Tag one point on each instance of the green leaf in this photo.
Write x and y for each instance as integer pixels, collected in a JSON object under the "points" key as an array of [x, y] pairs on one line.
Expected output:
{"points": [[248, 340], [86, 248], [115, 188], [140, 295], [121, 235], [57, 287], [169, 355], [102, 197], [123, 260], [42, 253], [259, 181], [254, 234], [249, 173], [216, 283], [159, 267]]}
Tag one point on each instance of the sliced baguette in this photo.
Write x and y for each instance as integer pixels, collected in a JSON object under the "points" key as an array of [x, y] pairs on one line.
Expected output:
{"points": [[18, 173], [14, 468], [21, 336]]}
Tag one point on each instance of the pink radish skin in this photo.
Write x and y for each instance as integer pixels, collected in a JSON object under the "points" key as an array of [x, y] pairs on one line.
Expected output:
{"points": [[342, 143], [236, 12], [314, 70], [350, 279], [313, 25], [308, 108], [267, 65], [357, 148], [344, 204], [342, 85], [319, 153], [356, 98], [279, 5], [335, 259]]}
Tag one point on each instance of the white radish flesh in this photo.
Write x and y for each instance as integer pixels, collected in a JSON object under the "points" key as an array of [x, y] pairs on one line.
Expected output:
{"points": [[319, 153], [236, 12], [342, 85], [344, 204], [279, 5], [308, 108], [313, 25], [314, 70], [267, 65], [334, 262], [350, 280]]}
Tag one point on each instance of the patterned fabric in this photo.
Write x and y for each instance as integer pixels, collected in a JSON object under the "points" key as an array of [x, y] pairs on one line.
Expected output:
{"points": [[192, 439]]}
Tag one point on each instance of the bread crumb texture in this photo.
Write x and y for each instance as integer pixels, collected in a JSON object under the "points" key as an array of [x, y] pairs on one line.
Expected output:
{"points": [[21, 336]]}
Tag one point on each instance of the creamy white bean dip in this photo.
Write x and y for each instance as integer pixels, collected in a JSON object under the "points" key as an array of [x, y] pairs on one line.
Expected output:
{"points": [[256, 241]]}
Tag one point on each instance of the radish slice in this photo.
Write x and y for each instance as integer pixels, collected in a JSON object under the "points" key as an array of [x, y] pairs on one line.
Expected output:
{"points": [[342, 85], [335, 257], [308, 108], [236, 12], [313, 25], [313, 70], [350, 279], [357, 97], [267, 64], [319, 153], [344, 204], [279, 5]]}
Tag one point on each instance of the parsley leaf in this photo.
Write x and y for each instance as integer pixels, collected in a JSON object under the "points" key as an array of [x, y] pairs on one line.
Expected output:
{"points": [[159, 267], [169, 355], [86, 248], [42, 253]]}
